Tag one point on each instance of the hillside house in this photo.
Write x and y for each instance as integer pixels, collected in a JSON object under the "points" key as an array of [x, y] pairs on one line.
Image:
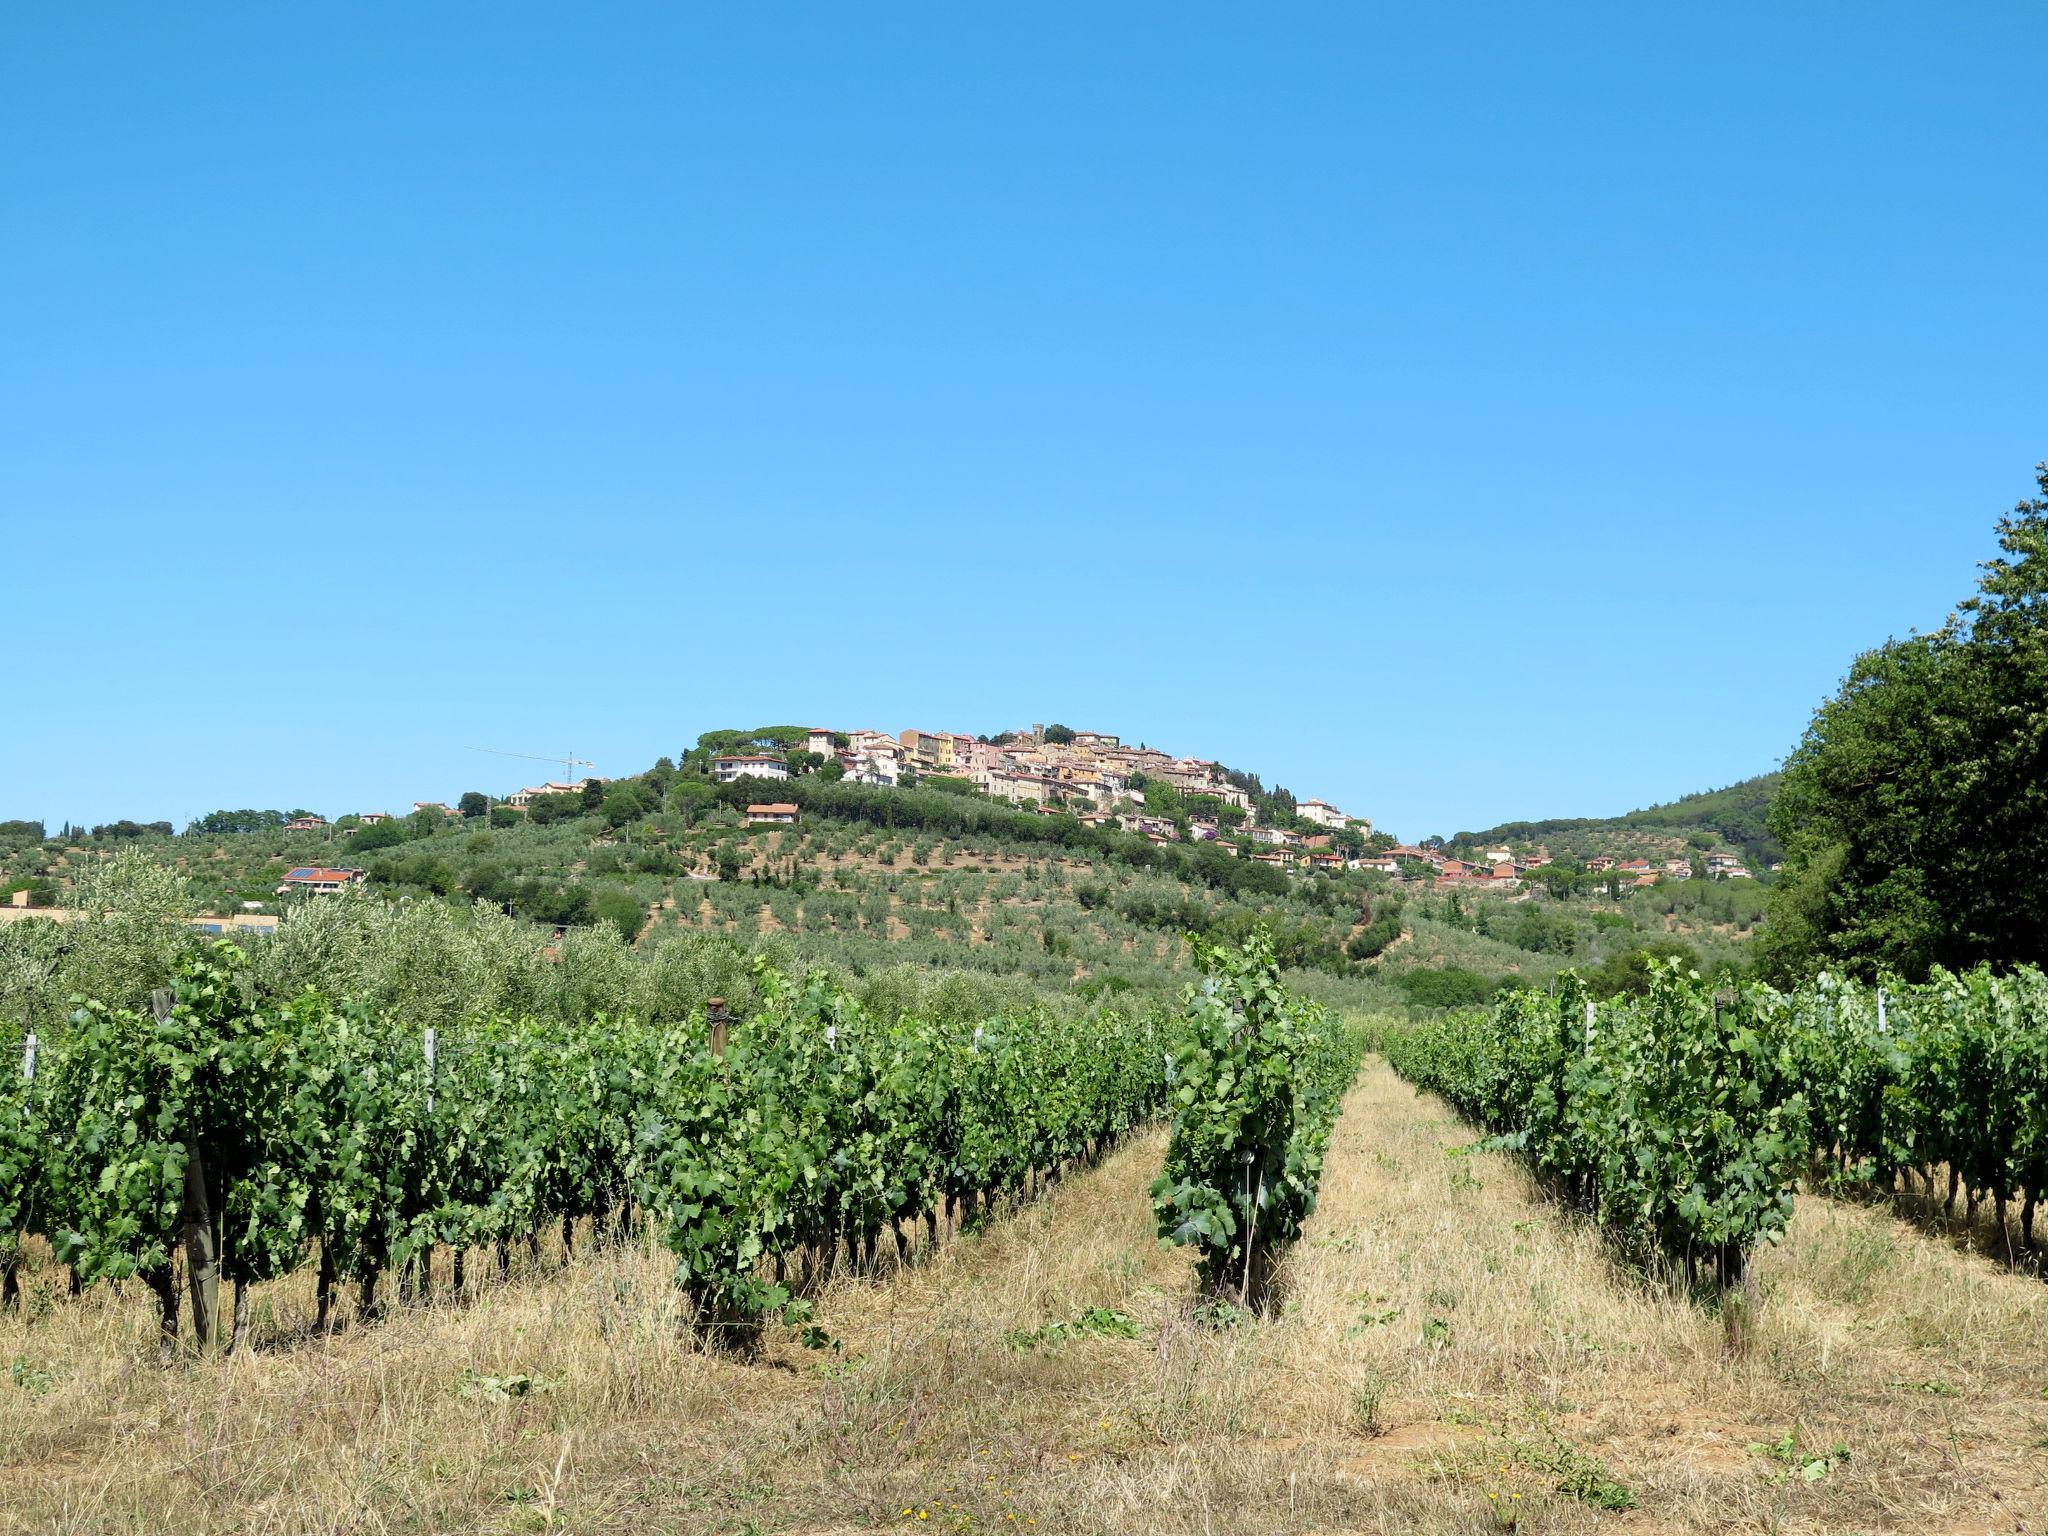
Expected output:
{"points": [[748, 765], [319, 879], [1275, 837], [1156, 827], [775, 814], [520, 799], [1024, 788], [306, 824], [871, 766], [372, 818], [1600, 864], [1410, 851], [1322, 813], [929, 751]]}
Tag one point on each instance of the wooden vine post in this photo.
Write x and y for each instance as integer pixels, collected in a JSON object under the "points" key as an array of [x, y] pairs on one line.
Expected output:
{"points": [[201, 1223]]}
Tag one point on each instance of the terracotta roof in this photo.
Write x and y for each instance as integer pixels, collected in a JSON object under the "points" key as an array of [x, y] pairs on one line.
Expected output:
{"points": [[776, 809]]}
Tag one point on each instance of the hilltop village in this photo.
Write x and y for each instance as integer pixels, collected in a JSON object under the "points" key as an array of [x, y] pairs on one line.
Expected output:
{"points": [[1091, 775]]}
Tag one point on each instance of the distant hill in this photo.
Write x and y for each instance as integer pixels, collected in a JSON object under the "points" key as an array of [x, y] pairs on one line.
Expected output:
{"points": [[1734, 816]]}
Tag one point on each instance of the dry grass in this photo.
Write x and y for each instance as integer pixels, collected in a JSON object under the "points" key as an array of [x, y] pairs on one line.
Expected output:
{"points": [[1352, 1410]]}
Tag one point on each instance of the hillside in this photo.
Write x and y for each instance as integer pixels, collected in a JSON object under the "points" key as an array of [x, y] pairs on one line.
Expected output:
{"points": [[874, 883], [1733, 817]]}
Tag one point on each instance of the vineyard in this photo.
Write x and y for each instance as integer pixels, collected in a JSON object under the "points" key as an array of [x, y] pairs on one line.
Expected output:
{"points": [[1682, 1123], [759, 1150], [855, 1253]]}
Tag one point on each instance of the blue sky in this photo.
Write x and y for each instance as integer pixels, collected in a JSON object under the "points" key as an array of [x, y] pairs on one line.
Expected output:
{"points": [[1459, 413]]}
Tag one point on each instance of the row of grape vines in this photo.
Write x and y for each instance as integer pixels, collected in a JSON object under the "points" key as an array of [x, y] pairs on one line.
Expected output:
{"points": [[1669, 1117], [254, 1132], [1944, 1083], [1684, 1120], [1255, 1080]]}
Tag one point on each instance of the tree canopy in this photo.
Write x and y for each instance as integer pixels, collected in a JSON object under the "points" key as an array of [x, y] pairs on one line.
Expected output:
{"points": [[1915, 808]]}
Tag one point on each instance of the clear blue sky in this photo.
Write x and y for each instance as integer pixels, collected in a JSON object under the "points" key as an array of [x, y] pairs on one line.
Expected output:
{"points": [[1457, 412]]}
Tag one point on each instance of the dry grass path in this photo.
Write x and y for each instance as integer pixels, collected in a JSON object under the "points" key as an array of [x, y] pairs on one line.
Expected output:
{"points": [[1446, 1333]]}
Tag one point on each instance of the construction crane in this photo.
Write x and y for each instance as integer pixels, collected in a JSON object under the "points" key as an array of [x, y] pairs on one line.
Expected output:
{"points": [[569, 764]]}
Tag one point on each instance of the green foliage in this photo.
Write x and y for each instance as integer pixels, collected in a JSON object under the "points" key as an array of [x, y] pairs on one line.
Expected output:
{"points": [[819, 1122], [621, 911], [1738, 814], [1448, 987], [1915, 809], [544, 810], [382, 834], [122, 831], [1674, 1118], [1629, 972], [1096, 1322], [215, 823], [1255, 1078], [1372, 940], [1952, 1072]]}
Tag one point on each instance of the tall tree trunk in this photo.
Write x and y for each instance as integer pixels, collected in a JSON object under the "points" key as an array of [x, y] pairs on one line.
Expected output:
{"points": [[456, 1276], [504, 1257], [10, 1277]]}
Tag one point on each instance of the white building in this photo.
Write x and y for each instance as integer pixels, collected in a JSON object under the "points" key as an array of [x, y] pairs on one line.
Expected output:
{"points": [[877, 767], [748, 765], [1322, 813]]}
